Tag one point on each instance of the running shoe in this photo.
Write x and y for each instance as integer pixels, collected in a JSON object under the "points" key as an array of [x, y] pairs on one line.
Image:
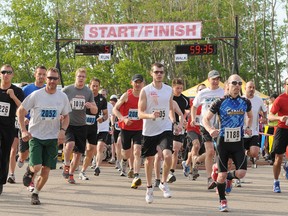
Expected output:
{"points": [[93, 165], [112, 161], [20, 164], [171, 178], [123, 174], [117, 165], [123, 165], [237, 183], [223, 206], [35, 199], [136, 183], [130, 174], [211, 184], [31, 187], [65, 172], [97, 171], [195, 174], [149, 195], [229, 186], [82, 176], [186, 169], [27, 178], [165, 189], [11, 179], [276, 187], [157, 182], [71, 179]]}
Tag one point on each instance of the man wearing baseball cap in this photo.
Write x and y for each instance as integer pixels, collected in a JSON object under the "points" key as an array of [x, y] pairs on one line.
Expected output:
{"points": [[126, 109], [205, 98]]}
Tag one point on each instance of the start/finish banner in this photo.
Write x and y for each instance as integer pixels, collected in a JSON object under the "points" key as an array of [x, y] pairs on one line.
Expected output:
{"points": [[144, 31]]}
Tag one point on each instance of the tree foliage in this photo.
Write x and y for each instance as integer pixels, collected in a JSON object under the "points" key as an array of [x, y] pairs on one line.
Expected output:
{"points": [[27, 39]]}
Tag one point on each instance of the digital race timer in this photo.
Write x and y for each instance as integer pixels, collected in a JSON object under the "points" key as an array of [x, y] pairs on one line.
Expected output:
{"points": [[196, 49]]}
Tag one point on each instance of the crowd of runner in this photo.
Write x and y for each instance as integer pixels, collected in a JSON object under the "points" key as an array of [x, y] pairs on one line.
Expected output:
{"points": [[154, 124]]}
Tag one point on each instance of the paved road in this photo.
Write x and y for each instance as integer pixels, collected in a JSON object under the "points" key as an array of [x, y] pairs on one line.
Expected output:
{"points": [[110, 194]]}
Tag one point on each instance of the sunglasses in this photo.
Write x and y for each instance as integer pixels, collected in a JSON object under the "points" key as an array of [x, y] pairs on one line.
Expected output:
{"points": [[158, 72], [53, 78], [6, 72], [236, 82]]}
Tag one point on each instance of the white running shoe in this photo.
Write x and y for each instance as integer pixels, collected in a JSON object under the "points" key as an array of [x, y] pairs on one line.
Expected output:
{"points": [[149, 195], [82, 176], [166, 191]]}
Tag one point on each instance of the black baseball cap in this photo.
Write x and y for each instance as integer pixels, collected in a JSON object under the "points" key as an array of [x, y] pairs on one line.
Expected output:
{"points": [[137, 77]]}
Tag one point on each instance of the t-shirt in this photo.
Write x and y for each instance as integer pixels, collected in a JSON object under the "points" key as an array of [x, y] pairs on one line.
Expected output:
{"points": [[45, 110], [280, 106], [129, 109], [157, 100], [205, 98], [101, 103], [231, 113], [183, 103], [8, 107], [77, 98], [104, 126], [257, 106]]}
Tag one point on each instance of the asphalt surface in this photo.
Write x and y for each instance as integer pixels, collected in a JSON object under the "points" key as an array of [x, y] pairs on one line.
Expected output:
{"points": [[110, 194]]}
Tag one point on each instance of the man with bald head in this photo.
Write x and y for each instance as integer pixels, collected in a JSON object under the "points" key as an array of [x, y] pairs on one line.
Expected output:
{"points": [[231, 111], [252, 143]]}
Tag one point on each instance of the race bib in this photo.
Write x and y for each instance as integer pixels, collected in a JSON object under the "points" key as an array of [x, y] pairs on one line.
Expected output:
{"points": [[162, 113], [133, 114], [4, 109], [78, 103], [48, 114], [232, 134], [90, 119], [117, 126]]}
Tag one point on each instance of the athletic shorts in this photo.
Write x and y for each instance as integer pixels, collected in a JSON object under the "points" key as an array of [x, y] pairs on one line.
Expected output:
{"points": [[280, 141], [43, 152], [251, 141], [205, 135], [192, 135], [92, 134], [270, 130], [116, 134], [179, 138], [128, 137], [150, 143], [77, 134], [234, 150], [104, 137]]}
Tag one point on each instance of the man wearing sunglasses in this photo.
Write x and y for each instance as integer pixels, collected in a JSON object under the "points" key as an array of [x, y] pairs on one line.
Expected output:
{"points": [[10, 99], [48, 107], [155, 106], [205, 98], [231, 111]]}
